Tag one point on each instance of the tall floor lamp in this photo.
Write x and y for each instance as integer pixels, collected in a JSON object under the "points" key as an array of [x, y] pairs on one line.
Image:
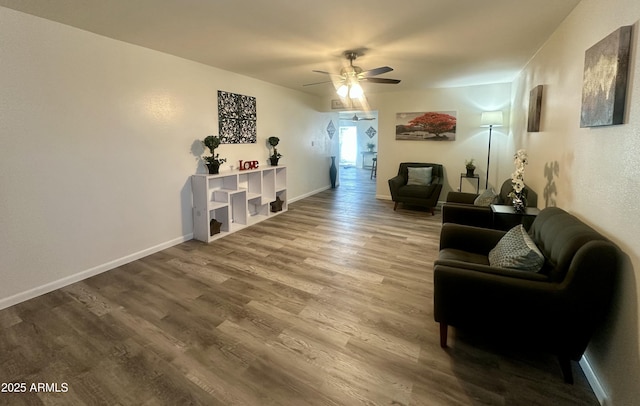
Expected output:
{"points": [[490, 119]]}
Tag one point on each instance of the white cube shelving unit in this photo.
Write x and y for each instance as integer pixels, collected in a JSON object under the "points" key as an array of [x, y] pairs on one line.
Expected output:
{"points": [[237, 199]]}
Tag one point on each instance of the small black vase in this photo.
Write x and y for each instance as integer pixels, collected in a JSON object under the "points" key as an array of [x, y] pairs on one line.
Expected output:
{"points": [[274, 161], [333, 172], [470, 172]]}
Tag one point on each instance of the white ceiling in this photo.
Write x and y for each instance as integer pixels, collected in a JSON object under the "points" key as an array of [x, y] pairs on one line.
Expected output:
{"points": [[429, 43]]}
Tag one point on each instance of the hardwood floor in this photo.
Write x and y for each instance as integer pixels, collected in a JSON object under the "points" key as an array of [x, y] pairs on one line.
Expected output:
{"points": [[329, 303]]}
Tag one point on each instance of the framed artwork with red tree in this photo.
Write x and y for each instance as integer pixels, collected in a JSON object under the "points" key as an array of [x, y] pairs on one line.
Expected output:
{"points": [[426, 126]]}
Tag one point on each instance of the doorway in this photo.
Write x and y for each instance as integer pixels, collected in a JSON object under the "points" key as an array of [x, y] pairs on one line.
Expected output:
{"points": [[348, 146]]}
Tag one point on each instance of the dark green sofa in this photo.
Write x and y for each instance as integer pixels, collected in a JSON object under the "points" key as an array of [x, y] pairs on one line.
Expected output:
{"points": [[557, 309], [459, 208]]}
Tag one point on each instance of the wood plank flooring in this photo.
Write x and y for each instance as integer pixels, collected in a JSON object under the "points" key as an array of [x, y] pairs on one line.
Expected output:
{"points": [[329, 303]]}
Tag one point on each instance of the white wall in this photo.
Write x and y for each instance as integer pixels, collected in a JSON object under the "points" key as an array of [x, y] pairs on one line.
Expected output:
{"points": [[471, 139], [599, 176], [97, 141]]}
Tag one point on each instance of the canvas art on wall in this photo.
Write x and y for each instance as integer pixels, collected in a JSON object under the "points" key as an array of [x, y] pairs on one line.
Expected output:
{"points": [[535, 108], [604, 88], [426, 126], [236, 118]]}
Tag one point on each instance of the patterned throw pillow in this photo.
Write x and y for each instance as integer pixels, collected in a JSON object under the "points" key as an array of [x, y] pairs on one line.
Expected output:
{"points": [[516, 250], [420, 176], [488, 197]]}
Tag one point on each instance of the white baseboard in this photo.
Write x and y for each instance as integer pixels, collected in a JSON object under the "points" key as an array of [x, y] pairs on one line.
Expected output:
{"points": [[322, 189], [60, 283], [594, 382]]}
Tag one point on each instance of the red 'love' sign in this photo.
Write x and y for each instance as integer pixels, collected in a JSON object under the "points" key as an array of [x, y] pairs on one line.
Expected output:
{"points": [[248, 165]]}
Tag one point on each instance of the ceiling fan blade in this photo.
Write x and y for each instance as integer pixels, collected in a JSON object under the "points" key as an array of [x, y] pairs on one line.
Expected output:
{"points": [[326, 73], [377, 71], [356, 118], [382, 80], [318, 83]]}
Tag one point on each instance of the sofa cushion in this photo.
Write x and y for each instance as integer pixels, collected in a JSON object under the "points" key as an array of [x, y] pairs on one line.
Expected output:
{"points": [[452, 254], [416, 191], [516, 250], [419, 176], [487, 198]]}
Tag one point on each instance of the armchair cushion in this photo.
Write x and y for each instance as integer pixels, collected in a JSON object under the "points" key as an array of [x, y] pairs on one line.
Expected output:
{"points": [[516, 250], [419, 176], [486, 198]]}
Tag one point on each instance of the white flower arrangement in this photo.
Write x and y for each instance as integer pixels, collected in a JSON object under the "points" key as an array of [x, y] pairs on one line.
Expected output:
{"points": [[517, 179]]}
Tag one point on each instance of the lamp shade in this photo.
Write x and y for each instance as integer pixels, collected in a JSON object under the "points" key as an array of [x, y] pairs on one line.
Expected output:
{"points": [[491, 119]]}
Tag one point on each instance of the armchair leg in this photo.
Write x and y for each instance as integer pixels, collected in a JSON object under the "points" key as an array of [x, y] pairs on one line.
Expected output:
{"points": [[565, 366], [443, 335], [433, 211], [395, 206]]}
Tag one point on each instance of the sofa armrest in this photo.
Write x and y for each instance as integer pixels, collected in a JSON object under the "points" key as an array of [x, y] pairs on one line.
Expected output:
{"points": [[461, 197], [468, 238], [503, 272], [466, 295], [479, 216]]}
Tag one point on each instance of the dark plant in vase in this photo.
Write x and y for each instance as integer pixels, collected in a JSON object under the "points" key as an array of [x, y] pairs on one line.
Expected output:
{"points": [[275, 156], [470, 166], [213, 161]]}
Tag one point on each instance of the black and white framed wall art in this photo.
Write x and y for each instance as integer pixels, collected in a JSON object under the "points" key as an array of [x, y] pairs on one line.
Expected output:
{"points": [[237, 116], [604, 88]]}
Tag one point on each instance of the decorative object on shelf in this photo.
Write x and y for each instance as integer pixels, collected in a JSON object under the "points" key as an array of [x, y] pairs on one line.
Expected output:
{"points": [[535, 108], [331, 129], [370, 146], [333, 172], [214, 227], [237, 116], [519, 193], [276, 205], [244, 165], [604, 88], [213, 161], [371, 132], [275, 156], [490, 119], [470, 167]]}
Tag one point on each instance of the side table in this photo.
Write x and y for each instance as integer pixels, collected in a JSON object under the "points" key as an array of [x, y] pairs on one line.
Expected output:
{"points": [[505, 217], [476, 177]]}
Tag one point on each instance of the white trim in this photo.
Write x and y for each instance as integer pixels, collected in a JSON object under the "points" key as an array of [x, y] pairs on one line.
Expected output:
{"points": [[60, 283], [304, 196], [594, 382]]}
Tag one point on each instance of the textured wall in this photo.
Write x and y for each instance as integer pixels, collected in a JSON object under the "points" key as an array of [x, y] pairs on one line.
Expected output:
{"points": [[97, 149], [594, 171]]}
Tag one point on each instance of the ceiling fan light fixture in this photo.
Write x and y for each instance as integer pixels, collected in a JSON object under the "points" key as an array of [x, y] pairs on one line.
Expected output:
{"points": [[356, 91], [343, 91]]}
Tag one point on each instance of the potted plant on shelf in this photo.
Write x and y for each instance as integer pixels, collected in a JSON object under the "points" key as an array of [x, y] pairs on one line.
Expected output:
{"points": [[213, 161], [371, 146], [470, 167], [273, 158]]}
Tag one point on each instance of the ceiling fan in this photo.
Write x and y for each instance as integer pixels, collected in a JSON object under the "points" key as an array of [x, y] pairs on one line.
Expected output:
{"points": [[351, 76], [356, 118]]}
